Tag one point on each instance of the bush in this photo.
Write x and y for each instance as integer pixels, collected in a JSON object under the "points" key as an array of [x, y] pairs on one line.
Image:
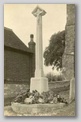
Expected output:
{"points": [[52, 77]]}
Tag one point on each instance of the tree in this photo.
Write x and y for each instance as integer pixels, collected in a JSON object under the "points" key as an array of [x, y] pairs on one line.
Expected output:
{"points": [[53, 53]]}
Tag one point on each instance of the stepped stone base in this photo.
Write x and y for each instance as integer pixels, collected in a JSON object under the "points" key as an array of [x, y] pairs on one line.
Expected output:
{"points": [[35, 108], [39, 84]]}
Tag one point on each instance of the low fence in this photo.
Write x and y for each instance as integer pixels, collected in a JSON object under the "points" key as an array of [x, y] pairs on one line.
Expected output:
{"points": [[59, 84]]}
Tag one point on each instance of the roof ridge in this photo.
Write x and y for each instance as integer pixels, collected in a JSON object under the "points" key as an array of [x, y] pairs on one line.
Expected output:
{"points": [[12, 40], [8, 28]]}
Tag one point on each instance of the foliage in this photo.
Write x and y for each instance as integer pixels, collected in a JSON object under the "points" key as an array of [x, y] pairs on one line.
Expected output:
{"points": [[53, 53], [21, 96]]}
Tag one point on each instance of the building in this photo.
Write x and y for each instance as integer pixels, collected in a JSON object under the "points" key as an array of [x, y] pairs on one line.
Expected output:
{"points": [[69, 53], [19, 60]]}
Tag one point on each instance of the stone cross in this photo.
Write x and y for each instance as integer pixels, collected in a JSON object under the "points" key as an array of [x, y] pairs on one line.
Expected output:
{"points": [[38, 12], [39, 83]]}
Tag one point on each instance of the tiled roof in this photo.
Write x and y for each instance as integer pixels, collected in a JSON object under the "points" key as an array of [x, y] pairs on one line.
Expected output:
{"points": [[11, 40]]}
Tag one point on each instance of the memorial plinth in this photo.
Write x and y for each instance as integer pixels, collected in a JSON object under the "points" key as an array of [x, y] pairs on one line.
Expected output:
{"points": [[37, 109], [39, 82]]}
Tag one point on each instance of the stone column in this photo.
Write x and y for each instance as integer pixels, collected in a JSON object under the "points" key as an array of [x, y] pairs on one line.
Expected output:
{"points": [[39, 83], [72, 90]]}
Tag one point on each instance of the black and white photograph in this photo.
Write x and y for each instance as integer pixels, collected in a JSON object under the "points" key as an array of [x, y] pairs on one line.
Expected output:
{"points": [[39, 60]]}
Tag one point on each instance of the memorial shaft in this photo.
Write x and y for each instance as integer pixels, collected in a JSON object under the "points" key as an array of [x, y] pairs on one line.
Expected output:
{"points": [[39, 82], [39, 48]]}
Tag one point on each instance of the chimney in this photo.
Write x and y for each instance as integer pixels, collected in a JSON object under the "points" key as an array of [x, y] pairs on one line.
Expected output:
{"points": [[31, 37], [31, 44]]}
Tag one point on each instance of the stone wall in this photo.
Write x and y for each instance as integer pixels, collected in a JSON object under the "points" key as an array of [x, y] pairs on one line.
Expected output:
{"points": [[12, 90], [68, 57]]}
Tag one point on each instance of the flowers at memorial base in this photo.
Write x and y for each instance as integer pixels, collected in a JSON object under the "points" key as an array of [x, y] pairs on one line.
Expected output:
{"points": [[36, 98]]}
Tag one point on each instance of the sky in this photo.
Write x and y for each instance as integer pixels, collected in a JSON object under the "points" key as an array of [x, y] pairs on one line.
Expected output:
{"points": [[20, 19]]}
